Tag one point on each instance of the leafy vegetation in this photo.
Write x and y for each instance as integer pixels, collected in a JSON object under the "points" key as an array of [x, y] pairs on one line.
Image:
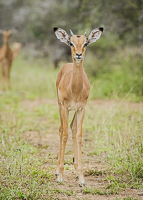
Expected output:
{"points": [[117, 75], [36, 20]]}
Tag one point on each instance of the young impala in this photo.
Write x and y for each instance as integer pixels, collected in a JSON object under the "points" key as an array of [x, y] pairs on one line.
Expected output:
{"points": [[72, 92], [6, 56]]}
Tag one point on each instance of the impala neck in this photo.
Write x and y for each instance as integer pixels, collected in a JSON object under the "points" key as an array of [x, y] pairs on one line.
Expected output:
{"points": [[77, 78], [6, 44], [5, 47]]}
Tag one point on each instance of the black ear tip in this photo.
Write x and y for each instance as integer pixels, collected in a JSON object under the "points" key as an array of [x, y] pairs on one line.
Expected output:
{"points": [[55, 29], [101, 29]]}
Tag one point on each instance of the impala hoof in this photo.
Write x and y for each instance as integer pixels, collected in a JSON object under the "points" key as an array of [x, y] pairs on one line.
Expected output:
{"points": [[59, 179], [82, 185], [56, 174]]}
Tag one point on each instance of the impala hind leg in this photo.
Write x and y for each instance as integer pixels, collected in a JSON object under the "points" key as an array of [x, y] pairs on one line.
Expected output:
{"points": [[73, 127], [2, 77], [80, 116], [65, 114], [8, 75], [61, 138]]}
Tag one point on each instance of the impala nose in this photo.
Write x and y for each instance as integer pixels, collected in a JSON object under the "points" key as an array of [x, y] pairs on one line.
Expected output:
{"points": [[78, 54]]}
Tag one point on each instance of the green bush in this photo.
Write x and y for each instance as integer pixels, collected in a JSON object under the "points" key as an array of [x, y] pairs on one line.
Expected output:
{"points": [[116, 76]]}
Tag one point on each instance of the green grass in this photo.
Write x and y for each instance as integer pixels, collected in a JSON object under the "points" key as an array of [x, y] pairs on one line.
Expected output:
{"points": [[117, 74], [99, 191], [119, 133], [127, 198], [115, 131], [33, 79]]}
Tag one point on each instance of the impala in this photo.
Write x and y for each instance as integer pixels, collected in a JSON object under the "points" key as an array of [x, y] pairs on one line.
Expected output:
{"points": [[72, 93], [6, 57]]}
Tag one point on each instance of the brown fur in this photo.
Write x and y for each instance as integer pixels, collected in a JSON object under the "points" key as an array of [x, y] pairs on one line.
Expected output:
{"points": [[72, 92], [16, 47], [6, 57]]}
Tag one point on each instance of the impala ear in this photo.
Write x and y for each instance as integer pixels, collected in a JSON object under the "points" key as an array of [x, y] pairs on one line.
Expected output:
{"points": [[94, 35], [62, 35]]}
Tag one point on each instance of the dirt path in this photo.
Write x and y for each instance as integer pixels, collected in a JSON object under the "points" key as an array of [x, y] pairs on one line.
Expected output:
{"points": [[91, 163]]}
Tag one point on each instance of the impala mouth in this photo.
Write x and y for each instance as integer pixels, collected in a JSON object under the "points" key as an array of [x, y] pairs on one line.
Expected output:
{"points": [[78, 58]]}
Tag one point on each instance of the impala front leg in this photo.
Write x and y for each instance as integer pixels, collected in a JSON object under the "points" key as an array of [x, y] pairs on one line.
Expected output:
{"points": [[65, 115], [80, 116], [61, 138], [74, 132], [8, 75]]}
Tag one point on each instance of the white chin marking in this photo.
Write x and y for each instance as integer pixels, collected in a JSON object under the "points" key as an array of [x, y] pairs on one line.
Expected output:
{"points": [[78, 61]]}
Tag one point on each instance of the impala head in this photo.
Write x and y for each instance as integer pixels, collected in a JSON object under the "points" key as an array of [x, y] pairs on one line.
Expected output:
{"points": [[7, 34], [78, 43]]}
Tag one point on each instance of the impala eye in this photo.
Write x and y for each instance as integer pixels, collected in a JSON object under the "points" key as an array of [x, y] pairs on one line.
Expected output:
{"points": [[71, 44], [85, 44]]}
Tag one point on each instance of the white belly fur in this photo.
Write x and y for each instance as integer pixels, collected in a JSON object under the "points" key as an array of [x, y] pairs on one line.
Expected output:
{"points": [[72, 105]]}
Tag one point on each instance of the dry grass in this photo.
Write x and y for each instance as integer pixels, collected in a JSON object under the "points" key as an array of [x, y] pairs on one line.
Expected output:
{"points": [[112, 143]]}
